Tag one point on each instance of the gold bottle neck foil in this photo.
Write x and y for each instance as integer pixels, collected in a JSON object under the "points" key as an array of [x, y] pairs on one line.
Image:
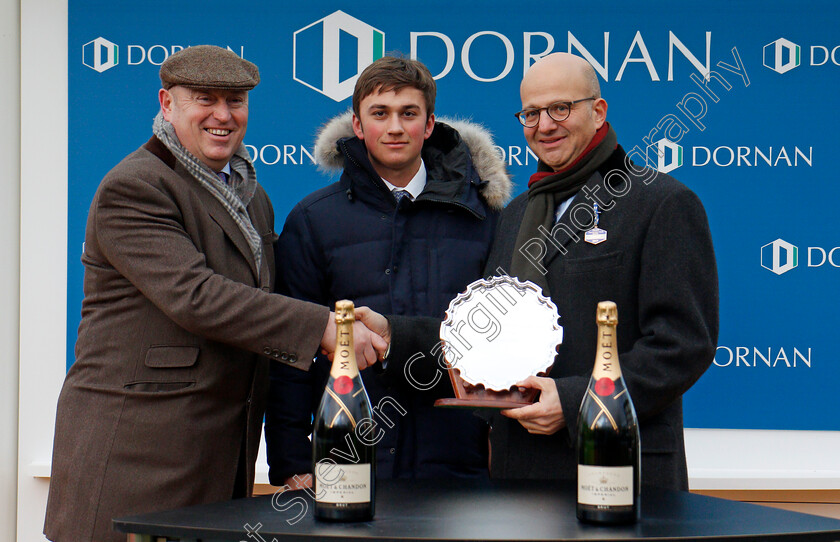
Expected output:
{"points": [[344, 362], [606, 353]]}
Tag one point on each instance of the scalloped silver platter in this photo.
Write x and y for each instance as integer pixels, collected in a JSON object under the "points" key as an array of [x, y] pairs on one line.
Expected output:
{"points": [[500, 331]]}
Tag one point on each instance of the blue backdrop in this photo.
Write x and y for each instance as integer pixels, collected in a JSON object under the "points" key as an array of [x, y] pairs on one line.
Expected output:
{"points": [[750, 140]]}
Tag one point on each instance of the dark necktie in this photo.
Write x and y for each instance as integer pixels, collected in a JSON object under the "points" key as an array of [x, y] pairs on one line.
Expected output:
{"points": [[400, 194]]}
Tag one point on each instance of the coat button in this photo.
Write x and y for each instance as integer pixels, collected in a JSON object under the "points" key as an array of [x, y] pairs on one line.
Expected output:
{"points": [[387, 271], [393, 451], [267, 351], [284, 356], [292, 358], [275, 353]]}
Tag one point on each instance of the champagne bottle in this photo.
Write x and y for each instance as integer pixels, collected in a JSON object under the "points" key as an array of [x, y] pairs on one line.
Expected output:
{"points": [[343, 458], [608, 447]]}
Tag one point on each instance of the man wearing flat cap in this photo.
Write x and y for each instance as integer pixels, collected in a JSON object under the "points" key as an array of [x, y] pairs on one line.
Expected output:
{"points": [[163, 406]]}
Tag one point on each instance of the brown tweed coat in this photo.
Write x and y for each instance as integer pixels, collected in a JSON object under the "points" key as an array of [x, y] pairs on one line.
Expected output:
{"points": [[163, 407]]}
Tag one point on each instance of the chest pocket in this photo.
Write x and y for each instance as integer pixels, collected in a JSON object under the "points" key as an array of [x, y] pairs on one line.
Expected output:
{"points": [[591, 264]]}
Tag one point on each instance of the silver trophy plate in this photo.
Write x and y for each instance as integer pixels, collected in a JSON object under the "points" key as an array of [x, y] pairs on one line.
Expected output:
{"points": [[499, 332]]}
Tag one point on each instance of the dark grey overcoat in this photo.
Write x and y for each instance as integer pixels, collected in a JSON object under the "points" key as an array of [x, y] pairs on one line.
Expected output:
{"points": [[658, 265], [163, 406]]}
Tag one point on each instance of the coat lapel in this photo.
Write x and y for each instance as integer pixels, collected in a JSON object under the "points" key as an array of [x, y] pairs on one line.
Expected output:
{"points": [[571, 231], [220, 215]]}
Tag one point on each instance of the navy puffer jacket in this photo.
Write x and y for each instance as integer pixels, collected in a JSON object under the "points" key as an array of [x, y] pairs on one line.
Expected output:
{"points": [[352, 240]]}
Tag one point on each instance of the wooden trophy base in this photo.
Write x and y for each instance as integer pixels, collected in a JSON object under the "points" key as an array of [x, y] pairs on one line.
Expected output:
{"points": [[473, 397]]}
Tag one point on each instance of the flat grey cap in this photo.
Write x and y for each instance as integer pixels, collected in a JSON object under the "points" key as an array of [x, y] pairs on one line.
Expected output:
{"points": [[208, 66]]}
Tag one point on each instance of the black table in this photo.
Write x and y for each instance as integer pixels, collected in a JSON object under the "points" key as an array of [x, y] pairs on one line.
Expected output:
{"points": [[499, 510]]}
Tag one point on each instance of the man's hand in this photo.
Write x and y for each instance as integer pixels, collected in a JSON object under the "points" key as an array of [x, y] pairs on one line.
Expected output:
{"points": [[545, 417], [367, 344], [377, 324]]}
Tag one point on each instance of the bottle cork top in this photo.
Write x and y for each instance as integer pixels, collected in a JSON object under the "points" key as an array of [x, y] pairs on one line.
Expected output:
{"points": [[344, 311], [607, 313]]}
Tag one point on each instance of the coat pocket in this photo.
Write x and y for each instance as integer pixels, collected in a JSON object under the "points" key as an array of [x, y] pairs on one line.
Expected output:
{"points": [[595, 263], [166, 368], [158, 387], [161, 357]]}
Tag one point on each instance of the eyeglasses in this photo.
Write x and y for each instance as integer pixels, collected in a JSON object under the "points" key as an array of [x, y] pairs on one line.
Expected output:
{"points": [[558, 111]]}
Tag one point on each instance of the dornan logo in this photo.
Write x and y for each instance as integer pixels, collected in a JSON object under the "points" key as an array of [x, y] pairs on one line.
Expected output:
{"points": [[329, 54], [100, 54], [665, 156], [759, 357], [782, 55], [669, 155], [779, 256]]}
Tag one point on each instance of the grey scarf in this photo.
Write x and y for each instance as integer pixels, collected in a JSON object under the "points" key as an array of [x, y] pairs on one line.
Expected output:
{"points": [[234, 196]]}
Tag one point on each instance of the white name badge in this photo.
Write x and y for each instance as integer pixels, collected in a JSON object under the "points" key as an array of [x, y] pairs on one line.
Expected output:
{"points": [[595, 236]]}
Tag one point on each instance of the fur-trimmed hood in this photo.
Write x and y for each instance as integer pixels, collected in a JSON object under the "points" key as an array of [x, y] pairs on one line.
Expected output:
{"points": [[490, 167]]}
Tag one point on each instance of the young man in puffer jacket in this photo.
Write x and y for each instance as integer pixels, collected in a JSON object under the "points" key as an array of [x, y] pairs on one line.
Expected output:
{"points": [[406, 228]]}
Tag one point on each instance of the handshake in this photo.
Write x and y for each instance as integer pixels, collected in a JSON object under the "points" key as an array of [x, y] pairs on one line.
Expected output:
{"points": [[371, 337]]}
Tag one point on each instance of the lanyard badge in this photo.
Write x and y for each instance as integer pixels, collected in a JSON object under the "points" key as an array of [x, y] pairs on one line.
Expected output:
{"points": [[595, 235]]}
